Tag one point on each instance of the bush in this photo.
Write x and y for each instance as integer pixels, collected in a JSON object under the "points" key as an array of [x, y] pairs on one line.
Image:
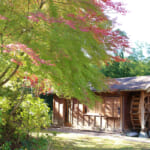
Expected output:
{"points": [[20, 116], [34, 114], [0, 123], [6, 146]]}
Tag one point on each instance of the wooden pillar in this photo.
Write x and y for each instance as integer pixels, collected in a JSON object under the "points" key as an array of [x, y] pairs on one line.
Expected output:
{"points": [[72, 103], [89, 120], [94, 121], [83, 114], [100, 122], [83, 120], [64, 111], [78, 113], [142, 111], [53, 110], [121, 113]]}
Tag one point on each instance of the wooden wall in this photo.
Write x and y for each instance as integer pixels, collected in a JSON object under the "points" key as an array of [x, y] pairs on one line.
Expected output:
{"points": [[105, 115], [58, 111], [112, 112]]}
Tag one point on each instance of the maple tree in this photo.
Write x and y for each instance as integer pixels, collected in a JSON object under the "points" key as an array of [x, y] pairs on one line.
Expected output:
{"points": [[64, 41]]}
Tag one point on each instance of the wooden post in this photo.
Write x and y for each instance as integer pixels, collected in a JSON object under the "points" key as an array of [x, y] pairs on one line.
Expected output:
{"points": [[72, 103], [58, 107], [78, 113], [100, 122], [89, 120], [114, 123], [83, 120], [142, 111], [94, 121], [83, 115], [64, 111], [54, 110], [121, 113]]}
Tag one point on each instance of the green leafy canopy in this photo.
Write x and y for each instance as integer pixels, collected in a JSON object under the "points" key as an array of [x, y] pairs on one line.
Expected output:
{"points": [[70, 39]]}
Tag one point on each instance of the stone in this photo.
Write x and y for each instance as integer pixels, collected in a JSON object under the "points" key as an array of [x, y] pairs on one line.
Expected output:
{"points": [[143, 134], [132, 134]]}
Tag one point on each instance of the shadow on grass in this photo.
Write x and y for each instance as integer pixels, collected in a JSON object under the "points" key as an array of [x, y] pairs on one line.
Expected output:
{"points": [[90, 143], [73, 141]]}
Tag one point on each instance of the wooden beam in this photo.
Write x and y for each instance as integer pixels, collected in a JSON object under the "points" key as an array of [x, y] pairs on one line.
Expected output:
{"points": [[142, 111]]}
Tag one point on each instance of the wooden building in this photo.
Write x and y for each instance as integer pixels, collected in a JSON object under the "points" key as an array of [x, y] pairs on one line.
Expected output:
{"points": [[125, 107]]}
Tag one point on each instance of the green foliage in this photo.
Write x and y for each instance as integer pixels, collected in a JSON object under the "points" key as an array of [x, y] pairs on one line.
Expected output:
{"points": [[42, 142], [30, 115], [6, 146], [38, 37], [136, 64], [21, 114], [34, 114], [0, 123], [0, 117], [39, 143], [32, 143], [65, 46]]}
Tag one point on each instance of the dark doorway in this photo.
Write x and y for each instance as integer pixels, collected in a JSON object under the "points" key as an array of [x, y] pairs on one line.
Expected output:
{"points": [[48, 98]]}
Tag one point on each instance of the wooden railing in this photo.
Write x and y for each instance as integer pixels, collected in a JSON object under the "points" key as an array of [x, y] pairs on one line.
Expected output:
{"points": [[90, 118]]}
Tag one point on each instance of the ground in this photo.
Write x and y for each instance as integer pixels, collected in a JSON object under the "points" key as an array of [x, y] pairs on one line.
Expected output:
{"points": [[84, 140]]}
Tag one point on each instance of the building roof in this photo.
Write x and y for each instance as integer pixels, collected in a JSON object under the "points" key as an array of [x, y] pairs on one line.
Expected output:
{"points": [[131, 84]]}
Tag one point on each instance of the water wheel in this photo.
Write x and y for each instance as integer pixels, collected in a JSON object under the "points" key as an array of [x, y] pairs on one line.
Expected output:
{"points": [[136, 115]]}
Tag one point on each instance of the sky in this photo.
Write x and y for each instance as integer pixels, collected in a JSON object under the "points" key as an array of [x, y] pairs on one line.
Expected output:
{"points": [[136, 23]]}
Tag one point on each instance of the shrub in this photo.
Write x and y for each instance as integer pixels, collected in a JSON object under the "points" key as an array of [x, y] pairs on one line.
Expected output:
{"points": [[21, 115], [33, 114], [0, 123]]}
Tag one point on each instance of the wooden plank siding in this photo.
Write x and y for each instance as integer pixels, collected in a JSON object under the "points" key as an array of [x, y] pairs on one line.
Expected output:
{"points": [[112, 112], [104, 115], [97, 117], [117, 111], [58, 111]]}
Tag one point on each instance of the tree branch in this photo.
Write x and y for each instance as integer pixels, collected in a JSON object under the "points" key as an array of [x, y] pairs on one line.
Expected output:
{"points": [[2, 42], [18, 104], [41, 4], [6, 70], [11, 75]]}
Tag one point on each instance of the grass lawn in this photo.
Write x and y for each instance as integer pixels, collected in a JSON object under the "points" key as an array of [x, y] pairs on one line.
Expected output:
{"points": [[73, 141]]}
